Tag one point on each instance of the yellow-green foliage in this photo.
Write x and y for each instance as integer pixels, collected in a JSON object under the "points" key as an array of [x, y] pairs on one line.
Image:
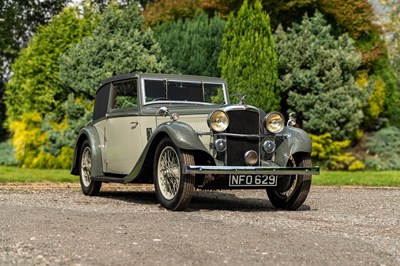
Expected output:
{"points": [[356, 165], [377, 99], [377, 93], [324, 147], [27, 138], [28, 141], [46, 160], [329, 151], [362, 80]]}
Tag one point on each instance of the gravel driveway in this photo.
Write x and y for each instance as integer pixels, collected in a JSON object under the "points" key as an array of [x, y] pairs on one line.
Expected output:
{"points": [[58, 225]]}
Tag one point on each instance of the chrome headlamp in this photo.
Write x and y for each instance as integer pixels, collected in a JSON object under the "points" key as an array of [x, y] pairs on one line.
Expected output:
{"points": [[274, 122], [218, 121]]}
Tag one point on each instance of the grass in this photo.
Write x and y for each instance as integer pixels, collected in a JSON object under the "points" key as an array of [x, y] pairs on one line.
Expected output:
{"points": [[326, 178], [22, 175], [359, 178]]}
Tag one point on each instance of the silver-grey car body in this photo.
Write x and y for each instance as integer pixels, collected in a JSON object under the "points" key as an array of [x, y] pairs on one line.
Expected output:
{"points": [[181, 133]]}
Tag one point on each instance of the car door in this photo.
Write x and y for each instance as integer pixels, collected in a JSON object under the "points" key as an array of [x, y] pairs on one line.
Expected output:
{"points": [[123, 144]]}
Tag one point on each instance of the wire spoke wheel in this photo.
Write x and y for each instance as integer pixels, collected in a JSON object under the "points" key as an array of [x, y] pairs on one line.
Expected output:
{"points": [[89, 187], [86, 166], [169, 174], [174, 189]]}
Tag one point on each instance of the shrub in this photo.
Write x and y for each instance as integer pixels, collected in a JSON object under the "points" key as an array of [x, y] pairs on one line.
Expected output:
{"points": [[45, 143], [384, 147], [374, 104], [330, 153], [27, 138], [62, 134], [7, 154]]}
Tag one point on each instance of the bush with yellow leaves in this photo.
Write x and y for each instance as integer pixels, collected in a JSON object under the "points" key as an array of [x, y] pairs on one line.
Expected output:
{"points": [[330, 153], [28, 140]]}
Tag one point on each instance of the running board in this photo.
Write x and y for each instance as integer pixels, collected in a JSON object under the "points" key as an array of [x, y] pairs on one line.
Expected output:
{"points": [[109, 179]]}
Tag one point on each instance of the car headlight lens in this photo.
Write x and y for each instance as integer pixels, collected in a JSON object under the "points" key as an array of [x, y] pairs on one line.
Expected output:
{"points": [[218, 121], [274, 122]]}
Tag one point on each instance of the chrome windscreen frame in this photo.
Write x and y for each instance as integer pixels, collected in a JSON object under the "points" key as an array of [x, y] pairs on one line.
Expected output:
{"points": [[143, 91]]}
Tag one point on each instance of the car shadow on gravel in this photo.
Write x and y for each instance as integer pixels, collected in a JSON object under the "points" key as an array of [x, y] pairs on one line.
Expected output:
{"points": [[139, 197], [223, 201], [202, 200]]}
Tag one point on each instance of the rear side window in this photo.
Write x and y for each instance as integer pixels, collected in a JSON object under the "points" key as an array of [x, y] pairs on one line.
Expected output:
{"points": [[124, 94], [101, 102]]}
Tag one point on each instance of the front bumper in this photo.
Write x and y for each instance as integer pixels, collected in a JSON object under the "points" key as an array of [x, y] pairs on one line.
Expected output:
{"points": [[261, 170]]}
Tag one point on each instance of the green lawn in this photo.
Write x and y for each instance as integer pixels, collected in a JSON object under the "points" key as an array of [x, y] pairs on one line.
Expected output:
{"points": [[326, 178], [15, 174], [359, 178]]}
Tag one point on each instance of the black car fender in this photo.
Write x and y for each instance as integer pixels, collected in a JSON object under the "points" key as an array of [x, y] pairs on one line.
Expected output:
{"points": [[89, 133], [295, 140], [181, 134]]}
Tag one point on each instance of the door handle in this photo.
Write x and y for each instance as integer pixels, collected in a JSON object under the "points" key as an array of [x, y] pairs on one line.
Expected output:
{"points": [[134, 125]]}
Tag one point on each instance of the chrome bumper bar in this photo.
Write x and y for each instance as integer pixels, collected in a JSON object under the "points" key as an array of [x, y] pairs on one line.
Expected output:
{"points": [[261, 170]]}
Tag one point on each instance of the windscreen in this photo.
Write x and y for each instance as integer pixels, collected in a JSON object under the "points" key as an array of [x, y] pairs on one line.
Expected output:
{"points": [[183, 91]]}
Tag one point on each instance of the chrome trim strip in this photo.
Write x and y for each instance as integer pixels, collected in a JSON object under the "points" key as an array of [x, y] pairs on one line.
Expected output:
{"points": [[203, 133], [245, 135], [210, 169], [242, 135]]}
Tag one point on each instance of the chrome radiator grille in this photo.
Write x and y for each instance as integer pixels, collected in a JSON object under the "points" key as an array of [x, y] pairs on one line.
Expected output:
{"points": [[241, 122]]}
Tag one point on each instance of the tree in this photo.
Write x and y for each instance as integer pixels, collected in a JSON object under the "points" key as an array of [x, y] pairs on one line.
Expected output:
{"points": [[35, 85], [162, 11], [391, 23], [193, 45], [316, 77], [384, 146], [358, 19], [35, 89], [248, 59], [118, 45], [18, 22]]}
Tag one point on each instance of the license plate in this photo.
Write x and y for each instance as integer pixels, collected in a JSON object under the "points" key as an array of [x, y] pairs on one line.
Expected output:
{"points": [[252, 180]]}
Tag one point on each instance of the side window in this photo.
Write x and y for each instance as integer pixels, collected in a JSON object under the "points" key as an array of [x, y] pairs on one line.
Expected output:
{"points": [[124, 94], [214, 93]]}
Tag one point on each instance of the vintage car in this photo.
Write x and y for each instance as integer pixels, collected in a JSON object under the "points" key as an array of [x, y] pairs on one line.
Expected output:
{"points": [[181, 133]]}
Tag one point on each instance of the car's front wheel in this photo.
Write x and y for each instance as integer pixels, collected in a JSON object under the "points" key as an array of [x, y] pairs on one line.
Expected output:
{"points": [[88, 185], [173, 188], [292, 192]]}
